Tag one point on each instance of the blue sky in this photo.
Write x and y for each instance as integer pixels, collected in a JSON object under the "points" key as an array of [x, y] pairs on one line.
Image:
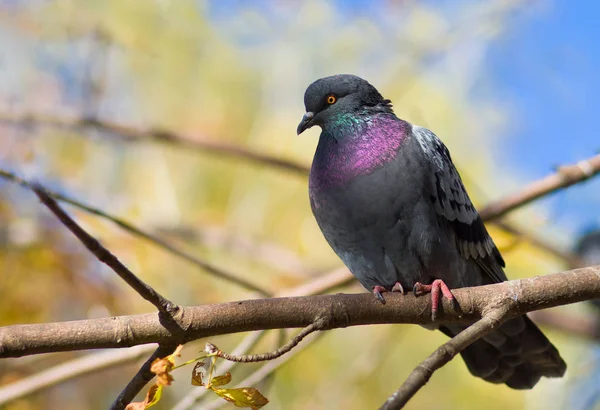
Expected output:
{"points": [[545, 67]]}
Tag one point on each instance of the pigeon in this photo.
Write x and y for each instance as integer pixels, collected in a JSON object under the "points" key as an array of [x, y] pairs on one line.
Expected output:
{"points": [[393, 207]]}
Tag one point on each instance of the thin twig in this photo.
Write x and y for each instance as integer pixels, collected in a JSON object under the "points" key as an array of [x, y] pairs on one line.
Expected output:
{"points": [[263, 357], [443, 354], [261, 373], [134, 134], [142, 377], [161, 243], [564, 177], [71, 369], [106, 257], [195, 394]]}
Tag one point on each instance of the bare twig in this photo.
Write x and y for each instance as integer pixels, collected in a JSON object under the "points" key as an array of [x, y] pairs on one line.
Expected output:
{"points": [[564, 177], [142, 377], [336, 311], [134, 134], [261, 373], [245, 345], [263, 357], [443, 354], [213, 270], [71, 369], [104, 256]]}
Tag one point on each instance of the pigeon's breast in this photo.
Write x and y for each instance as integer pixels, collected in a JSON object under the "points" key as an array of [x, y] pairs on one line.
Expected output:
{"points": [[340, 159]]}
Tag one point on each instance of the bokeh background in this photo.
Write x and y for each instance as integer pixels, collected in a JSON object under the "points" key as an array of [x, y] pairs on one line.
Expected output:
{"points": [[511, 86]]}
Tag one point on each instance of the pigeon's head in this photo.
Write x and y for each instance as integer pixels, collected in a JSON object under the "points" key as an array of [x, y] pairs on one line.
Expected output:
{"points": [[331, 97]]}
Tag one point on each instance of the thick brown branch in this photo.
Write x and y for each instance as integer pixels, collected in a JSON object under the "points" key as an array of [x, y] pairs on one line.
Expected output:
{"points": [[335, 310], [97, 361], [106, 257], [564, 177], [443, 354]]}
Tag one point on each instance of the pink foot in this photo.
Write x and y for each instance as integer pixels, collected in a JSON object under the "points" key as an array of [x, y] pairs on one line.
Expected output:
{"points": [[435, 288]]}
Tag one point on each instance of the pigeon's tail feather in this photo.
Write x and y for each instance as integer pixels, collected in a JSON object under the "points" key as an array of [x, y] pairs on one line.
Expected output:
{"points": [[517, 354]]}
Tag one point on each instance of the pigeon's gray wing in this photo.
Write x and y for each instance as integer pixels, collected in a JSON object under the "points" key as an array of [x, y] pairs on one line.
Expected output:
{"points": [[454, 208]]}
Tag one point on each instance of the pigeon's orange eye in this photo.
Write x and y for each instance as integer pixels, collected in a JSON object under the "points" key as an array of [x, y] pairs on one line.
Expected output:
{"points": [[331, 99]]}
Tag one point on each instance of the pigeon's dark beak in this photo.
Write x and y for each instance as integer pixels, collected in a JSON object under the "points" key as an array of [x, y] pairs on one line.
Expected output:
{"points": [[306, 122]]}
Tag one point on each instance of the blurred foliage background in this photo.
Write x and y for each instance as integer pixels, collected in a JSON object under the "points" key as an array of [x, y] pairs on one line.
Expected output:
{"points": [[235, 72]]}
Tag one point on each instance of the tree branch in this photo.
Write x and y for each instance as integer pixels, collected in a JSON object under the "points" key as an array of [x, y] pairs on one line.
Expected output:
{"points": [[443, 354], [335, 310], [209, 268], [564, 177], [98, 361], [105, 256]]}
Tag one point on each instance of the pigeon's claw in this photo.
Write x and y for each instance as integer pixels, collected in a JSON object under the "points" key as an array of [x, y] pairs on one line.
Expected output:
{"points": [[437, 286], [398, 288], [377, 291]]}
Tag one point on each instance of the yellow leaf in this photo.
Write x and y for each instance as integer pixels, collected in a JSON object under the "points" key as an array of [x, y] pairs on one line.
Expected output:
{"points": [[152, 397], [221, 380], [162, 367], [243, 397]]}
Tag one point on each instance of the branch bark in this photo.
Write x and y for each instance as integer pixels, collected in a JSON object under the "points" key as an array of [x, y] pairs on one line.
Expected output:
{"points": [[334, 310]]}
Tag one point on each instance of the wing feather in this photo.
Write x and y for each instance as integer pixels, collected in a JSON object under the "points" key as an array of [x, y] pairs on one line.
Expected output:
{"points": [[454, 207]]}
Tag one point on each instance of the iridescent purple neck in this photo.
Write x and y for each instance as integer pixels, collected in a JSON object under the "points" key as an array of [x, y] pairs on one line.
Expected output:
{"points": [[367, 144]]}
